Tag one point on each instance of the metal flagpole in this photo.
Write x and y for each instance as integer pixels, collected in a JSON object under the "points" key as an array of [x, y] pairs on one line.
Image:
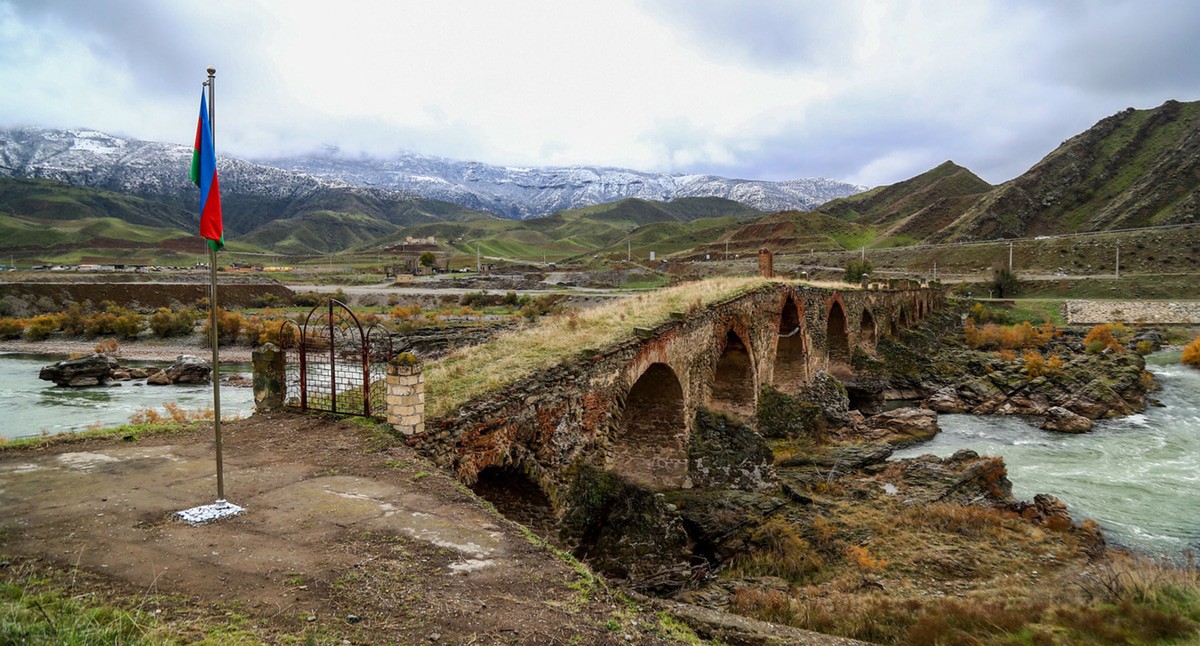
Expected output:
{"points": [[223, 507], [212, 305]]}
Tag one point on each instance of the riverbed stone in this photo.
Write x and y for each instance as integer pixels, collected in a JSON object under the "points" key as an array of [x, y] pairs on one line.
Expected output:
{"points": [[187, 369], [92, 370], [901, 426], [1064, 421]]}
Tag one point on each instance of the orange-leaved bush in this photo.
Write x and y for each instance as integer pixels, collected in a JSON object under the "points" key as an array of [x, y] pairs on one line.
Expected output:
{"points": [[1191, 353]]}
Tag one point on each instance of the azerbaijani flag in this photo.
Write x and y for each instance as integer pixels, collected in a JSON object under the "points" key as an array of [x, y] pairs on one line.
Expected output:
{"points": [[204, 174]]}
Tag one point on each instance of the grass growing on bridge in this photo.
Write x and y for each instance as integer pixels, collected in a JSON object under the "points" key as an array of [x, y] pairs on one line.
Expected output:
{"points": [[471, 372]]}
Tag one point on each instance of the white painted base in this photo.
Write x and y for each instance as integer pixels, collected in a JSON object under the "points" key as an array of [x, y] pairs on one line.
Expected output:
{"points": [[209, 513]]}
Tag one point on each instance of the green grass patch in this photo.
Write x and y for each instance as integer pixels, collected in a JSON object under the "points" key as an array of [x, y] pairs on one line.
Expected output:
{"points": [[466, 374]]}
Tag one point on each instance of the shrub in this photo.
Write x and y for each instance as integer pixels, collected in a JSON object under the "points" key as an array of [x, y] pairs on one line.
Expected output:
{"points": [[11, 328], [307, 299], [783, 416], [1004, 282], [777, 550], [229, 326], [477, 299], [167, 323], [1036, 365], [107, 346], [252, 329], [510, 299], [1106, 336], [40, 327], [405, 312], [1021, 335], [276, 331], [856, 269], [1191, 353], [73, 321]]}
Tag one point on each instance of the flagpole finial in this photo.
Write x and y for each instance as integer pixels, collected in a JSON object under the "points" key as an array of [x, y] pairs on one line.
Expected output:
{"points": [[212, 71]]}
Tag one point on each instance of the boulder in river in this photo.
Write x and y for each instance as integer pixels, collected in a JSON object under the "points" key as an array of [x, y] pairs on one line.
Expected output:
{"points": [[92, 370], [1064, 421], [186, 370]]}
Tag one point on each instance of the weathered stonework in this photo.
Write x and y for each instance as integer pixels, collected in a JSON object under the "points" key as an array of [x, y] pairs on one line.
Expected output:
{"points": [[268, 364], [629, 408], [406, 397]]}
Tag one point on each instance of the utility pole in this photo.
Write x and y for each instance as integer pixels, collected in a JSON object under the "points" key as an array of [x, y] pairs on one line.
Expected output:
{"points": [[1010, 268], [726, 250], [863, 255], [935, 271], [478, 260], [1118, 261], [628, 250]]}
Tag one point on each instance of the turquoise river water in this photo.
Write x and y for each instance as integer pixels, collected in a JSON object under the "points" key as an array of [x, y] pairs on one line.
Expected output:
{"points": [[31, 407], [1138, 476]]}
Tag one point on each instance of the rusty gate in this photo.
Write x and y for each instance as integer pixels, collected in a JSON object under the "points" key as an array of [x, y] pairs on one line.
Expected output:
{"points": [[333, 364]]}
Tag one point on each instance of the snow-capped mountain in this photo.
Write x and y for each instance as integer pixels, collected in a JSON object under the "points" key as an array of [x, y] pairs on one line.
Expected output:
{"points": [[160, 171], [521, 193], [282, 188]]}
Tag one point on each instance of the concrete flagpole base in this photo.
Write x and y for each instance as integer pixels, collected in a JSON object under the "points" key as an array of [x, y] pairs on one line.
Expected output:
{"points": [[208, 513]]}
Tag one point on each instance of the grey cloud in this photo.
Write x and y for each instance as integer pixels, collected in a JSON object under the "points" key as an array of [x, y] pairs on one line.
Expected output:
{"points": [[1126, 49], [160, 43], [762, 32]]}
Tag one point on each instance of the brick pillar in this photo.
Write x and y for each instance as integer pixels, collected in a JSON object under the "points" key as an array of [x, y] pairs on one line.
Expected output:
{"points": [[766, 263], [406, 395], [268, 377]]}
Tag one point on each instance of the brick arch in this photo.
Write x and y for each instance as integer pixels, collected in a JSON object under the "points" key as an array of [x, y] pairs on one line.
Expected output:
{"points": [[650, 443], [866, 330], [734, 388], [792, 349], [837, 330]]}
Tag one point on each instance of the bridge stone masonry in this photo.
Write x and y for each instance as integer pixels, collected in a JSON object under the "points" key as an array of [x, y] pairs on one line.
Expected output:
{"points": [[630, 408]]}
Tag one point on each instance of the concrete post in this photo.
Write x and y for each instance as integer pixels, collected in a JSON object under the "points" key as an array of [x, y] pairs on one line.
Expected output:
{"points": [[269, 378], [406, 395]]}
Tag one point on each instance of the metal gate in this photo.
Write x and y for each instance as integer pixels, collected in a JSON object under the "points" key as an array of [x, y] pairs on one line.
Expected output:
{"points": [[332, 364]]}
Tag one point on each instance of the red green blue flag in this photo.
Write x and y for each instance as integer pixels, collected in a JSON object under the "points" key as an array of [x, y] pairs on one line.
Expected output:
{"points": [[204, 174]]}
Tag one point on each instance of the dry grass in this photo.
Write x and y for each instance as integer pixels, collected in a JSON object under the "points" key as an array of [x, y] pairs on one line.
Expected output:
{"points": [[472, 372]]}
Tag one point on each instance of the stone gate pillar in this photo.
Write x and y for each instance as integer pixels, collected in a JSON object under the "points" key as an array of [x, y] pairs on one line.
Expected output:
{"points": [[267, 361], [766, 263], [406, 395]]}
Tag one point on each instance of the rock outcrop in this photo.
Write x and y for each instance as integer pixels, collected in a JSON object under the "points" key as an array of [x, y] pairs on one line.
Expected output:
{"points": [[186, 370], [1064, 421], [900, 426], [92, 370]]}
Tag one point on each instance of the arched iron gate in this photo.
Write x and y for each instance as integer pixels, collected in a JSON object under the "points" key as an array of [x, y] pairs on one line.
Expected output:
{"points": [[333, 364]]}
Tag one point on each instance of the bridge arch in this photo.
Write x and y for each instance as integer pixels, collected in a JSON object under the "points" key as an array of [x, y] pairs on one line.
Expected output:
{"points": [[866, 330], [733, 385], [837, 332], [791, 351], [650, 446]]}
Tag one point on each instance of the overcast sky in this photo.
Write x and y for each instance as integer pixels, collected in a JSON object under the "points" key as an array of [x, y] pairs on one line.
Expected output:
{"points": [[865, 91]]}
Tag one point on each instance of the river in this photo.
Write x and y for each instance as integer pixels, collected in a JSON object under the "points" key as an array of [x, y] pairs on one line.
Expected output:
{"points": [[1138, 476], [31, 407]]}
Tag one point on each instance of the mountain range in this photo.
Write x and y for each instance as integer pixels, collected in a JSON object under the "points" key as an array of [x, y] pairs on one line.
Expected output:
{"points": [[1136, 168], [521, 193]]}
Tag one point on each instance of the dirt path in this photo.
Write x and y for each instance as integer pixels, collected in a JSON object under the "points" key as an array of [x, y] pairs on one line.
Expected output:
{"points": [[338, 538]]}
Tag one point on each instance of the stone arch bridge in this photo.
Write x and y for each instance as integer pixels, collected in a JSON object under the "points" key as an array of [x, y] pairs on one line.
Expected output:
{"points": [[630, 408]]}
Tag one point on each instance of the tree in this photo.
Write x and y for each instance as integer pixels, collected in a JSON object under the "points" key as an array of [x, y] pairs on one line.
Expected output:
{"points": [[1004, 282], [427, 259], [856, 270]]}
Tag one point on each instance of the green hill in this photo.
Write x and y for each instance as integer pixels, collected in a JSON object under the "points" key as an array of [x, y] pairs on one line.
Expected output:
{"points": [[49, 201], [1136, 168]]}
